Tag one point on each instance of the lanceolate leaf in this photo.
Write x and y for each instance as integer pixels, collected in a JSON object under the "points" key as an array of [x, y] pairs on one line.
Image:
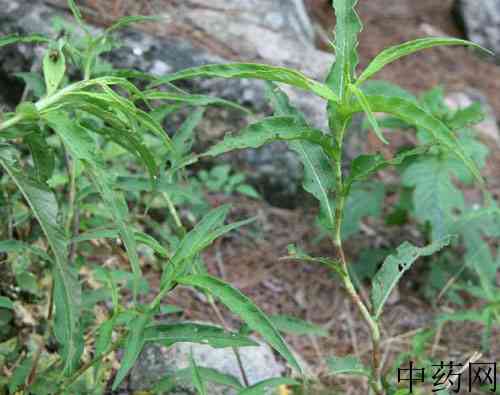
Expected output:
{"points": [[194, 242], [413, 114], [391, 54], [364, 166], [192, 100], [296, 326], [346, 45], [368, 111], [242, 306], [394, 267], [43, 157], [196, 377], [267, 131], [128, 20], [257, 71], [67, 290], [82, 147], [133, 347], [347, 365], [195, 333], [16, 38], [319, 176], [265, 386]]}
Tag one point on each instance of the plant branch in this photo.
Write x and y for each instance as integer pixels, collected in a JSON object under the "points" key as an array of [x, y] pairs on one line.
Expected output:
{"points": [[376, 381]]}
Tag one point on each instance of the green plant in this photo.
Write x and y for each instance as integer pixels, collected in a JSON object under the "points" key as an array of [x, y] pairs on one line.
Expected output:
{"points": [[321, 152], [220, 179], [71, 157]]}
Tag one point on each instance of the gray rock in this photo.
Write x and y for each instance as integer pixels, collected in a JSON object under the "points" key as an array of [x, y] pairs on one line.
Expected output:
{"points": [[157, 362], [481, 20], [195, 33]]}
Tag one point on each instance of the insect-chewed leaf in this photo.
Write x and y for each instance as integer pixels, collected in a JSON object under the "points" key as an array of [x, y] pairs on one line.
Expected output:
{"points": [[346, 44], [256, 71], [133, 347], [192, 100], [413, 114], [347, 365], [195, 333], [267, 131], [16, 38], [67, 290], [296, 326], [265, 386], [391, 54], [54, 68], [242, 306], [368, 111], [395, 265]]}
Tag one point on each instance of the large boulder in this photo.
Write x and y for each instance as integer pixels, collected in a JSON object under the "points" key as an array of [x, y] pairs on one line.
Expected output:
{"points": [[481, 20], [157, 362], [201, 32]]}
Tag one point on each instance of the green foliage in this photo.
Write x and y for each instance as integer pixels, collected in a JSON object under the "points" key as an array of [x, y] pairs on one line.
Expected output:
{"points": [[75, 153]]}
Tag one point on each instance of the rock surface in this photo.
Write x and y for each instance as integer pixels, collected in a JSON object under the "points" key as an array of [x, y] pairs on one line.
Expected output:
{"points": [[481, 20], [156, 362], [197, 32]]}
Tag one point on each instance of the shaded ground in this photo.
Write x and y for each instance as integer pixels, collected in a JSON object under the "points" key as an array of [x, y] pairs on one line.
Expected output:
{"points": [[250, 260]]}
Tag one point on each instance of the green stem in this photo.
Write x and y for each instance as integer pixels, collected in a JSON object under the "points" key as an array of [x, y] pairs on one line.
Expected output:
{"points": [[376, 380], [173, 213]]}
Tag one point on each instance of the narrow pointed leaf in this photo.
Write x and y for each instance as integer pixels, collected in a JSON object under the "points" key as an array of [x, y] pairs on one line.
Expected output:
{"points": [[128, 20], [256, 71], [412, 114], [347, 365], [242, 306], [192, 100], [211, 335], [263, 387], [296, 326], [319, 176], [16, 39], [82, 147], [346, 45], [133, 347], [196, 378], [395, 266], [368, 111], [42, 154], [364, 166], [67, 290], [394, 53], [267, 131]]}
